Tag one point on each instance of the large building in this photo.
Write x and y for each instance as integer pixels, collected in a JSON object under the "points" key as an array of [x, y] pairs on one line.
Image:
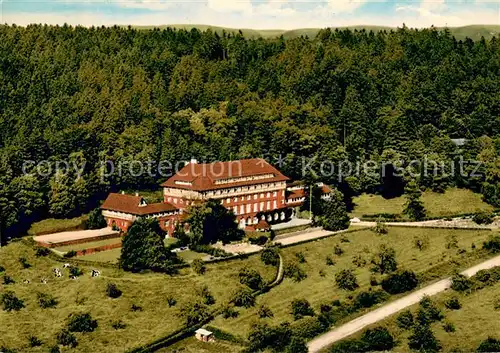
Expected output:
{"points": [[252, 188]]}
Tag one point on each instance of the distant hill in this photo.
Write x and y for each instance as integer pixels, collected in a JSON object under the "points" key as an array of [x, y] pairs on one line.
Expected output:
{"points": [[474, 32]]}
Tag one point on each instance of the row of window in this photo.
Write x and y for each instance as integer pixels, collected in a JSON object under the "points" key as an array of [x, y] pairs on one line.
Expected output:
{"points": [[256, 207], [243, 188], [249, 197]]}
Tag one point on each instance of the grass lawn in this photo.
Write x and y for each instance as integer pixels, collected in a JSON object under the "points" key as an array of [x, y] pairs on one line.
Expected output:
{"points": [[319, 287], [87, 294], [453, 201], [190, 256], [111, 256], [53, 225], [93, 244], [474, 322], [192, 345]]}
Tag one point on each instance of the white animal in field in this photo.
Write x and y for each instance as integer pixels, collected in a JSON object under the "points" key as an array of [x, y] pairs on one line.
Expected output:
{"points": [[26, 281], [66, 265], [57, 272], [43, 281], [95, 273], [73, 277]]}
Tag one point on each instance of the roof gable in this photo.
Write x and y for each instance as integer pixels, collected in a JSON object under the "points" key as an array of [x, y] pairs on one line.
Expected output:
{"points": [[135, 205]]}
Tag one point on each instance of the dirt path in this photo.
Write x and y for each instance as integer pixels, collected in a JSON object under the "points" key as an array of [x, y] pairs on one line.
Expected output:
{"points": [[341, 332]]}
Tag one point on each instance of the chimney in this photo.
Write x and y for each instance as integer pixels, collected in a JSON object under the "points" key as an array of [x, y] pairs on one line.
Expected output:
{"points": [[136, 193], [193, 161], [123, 192]]}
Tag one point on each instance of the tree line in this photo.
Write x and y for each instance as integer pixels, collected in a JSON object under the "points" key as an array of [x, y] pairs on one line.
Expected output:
{"points": [[90, 95]]}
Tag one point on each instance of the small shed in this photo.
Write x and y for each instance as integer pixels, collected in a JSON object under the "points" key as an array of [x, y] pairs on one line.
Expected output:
{"points": [[262, 226], [204, 335]]}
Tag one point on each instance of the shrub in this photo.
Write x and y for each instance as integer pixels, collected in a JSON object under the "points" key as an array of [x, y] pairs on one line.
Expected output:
{"points": [[358, 261], [54, 349], [378, 339], [2, 269], [24, 262], [81, 323], [451, 242], [461, 283], [483, 218], [205, 295], [10, 302], [385, 260], [344, 239], [8, 280], [301, 308], [329, 261], [337, 250], [449, 327], [136, 307], [307, 327], [198, 266], [258, 238], [346, 279], [405, 320], [34, 341], [118, 325], [373, 281], [400, 282], [369, 299], [46, 301], [349, 346], [492, 244], [171, 301], [71, 253], [381, 228], [41, 252], [243, 298], [112, 291], [229, 313], [75, 271], [194, 313], [66, 338], [489, 345], [264, 312], [421, 243], [428, 311], [300, 257], [270, 256], [251, 278], [95, 219], [295, 272], [423, 339], [453, 303]]}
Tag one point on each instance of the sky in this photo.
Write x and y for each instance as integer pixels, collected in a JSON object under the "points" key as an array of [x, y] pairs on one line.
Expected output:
{"points": [[257, 14]]}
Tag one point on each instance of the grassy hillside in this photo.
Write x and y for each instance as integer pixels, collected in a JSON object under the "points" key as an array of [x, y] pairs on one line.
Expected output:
{"points": [[453, 201], [87, 294], [474, 32], [319, 287]]}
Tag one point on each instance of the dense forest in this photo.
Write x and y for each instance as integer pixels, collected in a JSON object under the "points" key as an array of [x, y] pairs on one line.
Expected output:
{"points": [[89, 95]]}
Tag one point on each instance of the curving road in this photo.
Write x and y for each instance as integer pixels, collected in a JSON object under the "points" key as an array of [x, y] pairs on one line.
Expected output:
{"points": [[341, 332]]}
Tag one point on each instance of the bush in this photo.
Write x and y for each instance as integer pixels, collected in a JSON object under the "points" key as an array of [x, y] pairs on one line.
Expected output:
{"points": [[54, 349], [258, 238], [2, 269], [41, 252], [349, 346], [194, 313], [428, 311], [369, 299], [95, 219], [8, 280], [270, 256], [451, 242], [400, 282], [337, 250], [421, 243], [207, 249], [307, 327], [493, 244], [405, 320], [198, 266], [385, 260], [301, 308], [295, 272], [34, 341], [243, 298], [329, 261], [378, 339], [205, 295], [112, 291], [24, 262], [483, 218], [118, 325], [10, 302], [489, 345], [66, 338], [229, 313], [381, 228], [251, 278], [449, 327], [453, 304], [46, 301], [423, 339], [171, 301], [135, 308], [358, 261], [373, 281], [69, 254], [461, 283], [75, 271], [81, 323], [346, 279], [264, 312]]}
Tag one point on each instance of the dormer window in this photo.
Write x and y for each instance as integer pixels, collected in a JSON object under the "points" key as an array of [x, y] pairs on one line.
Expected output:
{"points": [[143, 203]]}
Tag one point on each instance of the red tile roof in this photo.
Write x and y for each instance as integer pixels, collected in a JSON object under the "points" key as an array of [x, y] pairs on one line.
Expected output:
{"points": [[130, 204], [263, 225], [203, 176]]}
